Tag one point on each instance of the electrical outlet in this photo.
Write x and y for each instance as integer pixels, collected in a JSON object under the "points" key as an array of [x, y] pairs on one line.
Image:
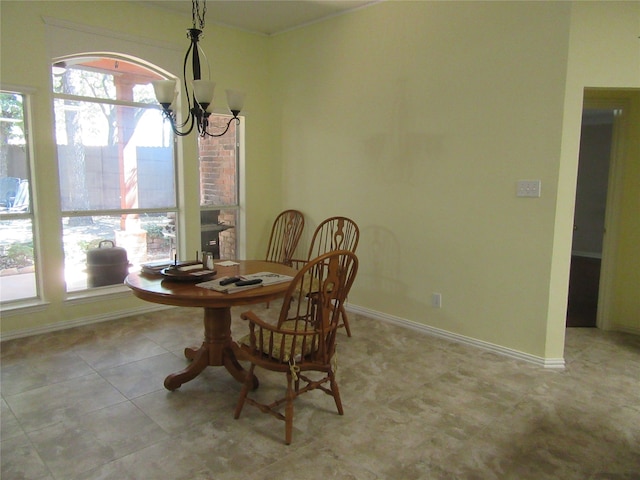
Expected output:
{"points": [[436, 300], [528, 188]]}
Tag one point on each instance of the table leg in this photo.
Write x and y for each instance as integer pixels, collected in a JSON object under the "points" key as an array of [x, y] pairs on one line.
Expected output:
{"points": [[191, 352], [215, 351], [198, 364], [235, 369]]}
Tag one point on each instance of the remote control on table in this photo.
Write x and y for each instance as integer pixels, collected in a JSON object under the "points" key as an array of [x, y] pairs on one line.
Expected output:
{"points": [[242, 283]]}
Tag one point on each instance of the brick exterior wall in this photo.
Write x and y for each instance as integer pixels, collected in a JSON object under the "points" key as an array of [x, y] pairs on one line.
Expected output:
{"points": [[218, 179]]}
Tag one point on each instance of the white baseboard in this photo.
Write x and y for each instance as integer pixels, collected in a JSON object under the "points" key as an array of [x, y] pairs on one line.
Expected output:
{"points": [[54, 327], [151, 307], [556, 363]]}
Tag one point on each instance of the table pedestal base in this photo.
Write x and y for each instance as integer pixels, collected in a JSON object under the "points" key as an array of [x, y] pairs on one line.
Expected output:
{"points": [[215, 351]]}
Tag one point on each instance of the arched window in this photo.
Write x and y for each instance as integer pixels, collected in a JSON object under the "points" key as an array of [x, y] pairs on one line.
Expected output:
{"points": [[116, 166]]}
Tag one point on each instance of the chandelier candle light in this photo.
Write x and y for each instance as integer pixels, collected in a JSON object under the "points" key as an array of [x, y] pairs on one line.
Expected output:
{"points": [[200, 96]]}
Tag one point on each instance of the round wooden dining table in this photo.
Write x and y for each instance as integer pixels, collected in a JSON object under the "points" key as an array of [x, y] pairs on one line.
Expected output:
{"points": [[216, 346]]}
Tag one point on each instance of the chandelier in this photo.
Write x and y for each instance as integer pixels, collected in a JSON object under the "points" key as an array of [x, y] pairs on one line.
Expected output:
{"points": [[200, 93]]}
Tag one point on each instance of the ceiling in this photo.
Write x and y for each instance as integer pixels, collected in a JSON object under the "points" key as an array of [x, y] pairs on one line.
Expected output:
{"points": [[267, 17]]}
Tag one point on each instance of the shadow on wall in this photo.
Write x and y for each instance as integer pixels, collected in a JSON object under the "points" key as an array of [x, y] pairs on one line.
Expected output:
{"points": [[398, 155], [378, 276]]}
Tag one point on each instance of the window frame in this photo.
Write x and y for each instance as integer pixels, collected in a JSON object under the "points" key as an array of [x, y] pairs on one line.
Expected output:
{"points": [[27, 94], [235, 207], [63, 214]]}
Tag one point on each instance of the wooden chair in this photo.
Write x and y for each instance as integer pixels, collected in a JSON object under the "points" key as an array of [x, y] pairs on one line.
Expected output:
{"points": [[334, 233], [303, 342], [285, 235]]}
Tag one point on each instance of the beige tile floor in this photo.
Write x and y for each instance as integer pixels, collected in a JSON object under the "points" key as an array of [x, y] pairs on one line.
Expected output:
{"points": [[88, 403]]}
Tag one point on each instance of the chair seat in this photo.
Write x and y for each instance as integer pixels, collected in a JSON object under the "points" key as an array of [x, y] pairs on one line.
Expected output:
{"points": [[283, 348]]}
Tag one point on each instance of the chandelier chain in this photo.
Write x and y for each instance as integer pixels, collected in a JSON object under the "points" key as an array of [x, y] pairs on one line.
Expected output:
{"points": [[196, 14]]}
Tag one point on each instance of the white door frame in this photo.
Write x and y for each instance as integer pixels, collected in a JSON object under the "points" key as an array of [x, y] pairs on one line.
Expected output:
{"points": [[613, 202]]}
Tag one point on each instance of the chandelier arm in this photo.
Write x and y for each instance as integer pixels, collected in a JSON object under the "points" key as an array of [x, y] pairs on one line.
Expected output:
{"points": [[171, 116], [193, 108], [186, 132], [177, 128], [204, 132], [194, 35], [187, 90]]}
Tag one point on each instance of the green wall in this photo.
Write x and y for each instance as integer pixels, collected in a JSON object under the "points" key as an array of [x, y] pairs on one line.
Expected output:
{"points": [[416, 119], [420, 131]]}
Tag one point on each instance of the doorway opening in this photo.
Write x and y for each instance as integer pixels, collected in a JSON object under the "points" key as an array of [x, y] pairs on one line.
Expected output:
{"points": [[596, 142]]}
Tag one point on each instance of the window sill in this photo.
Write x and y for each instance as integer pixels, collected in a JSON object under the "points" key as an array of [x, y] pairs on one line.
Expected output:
{"points": [[95, 294]]}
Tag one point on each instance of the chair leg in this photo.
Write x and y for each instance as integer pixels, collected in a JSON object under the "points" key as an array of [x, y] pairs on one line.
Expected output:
{"points": [[246, 386], [288, 411], [335, 391], [345, 320]]}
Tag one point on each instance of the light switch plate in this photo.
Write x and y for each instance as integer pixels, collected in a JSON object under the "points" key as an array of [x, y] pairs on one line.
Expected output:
{"points": [[528, 188]]}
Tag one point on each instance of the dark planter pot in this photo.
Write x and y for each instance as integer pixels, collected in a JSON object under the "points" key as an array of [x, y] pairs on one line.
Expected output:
{"points": [[106, 265]]}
